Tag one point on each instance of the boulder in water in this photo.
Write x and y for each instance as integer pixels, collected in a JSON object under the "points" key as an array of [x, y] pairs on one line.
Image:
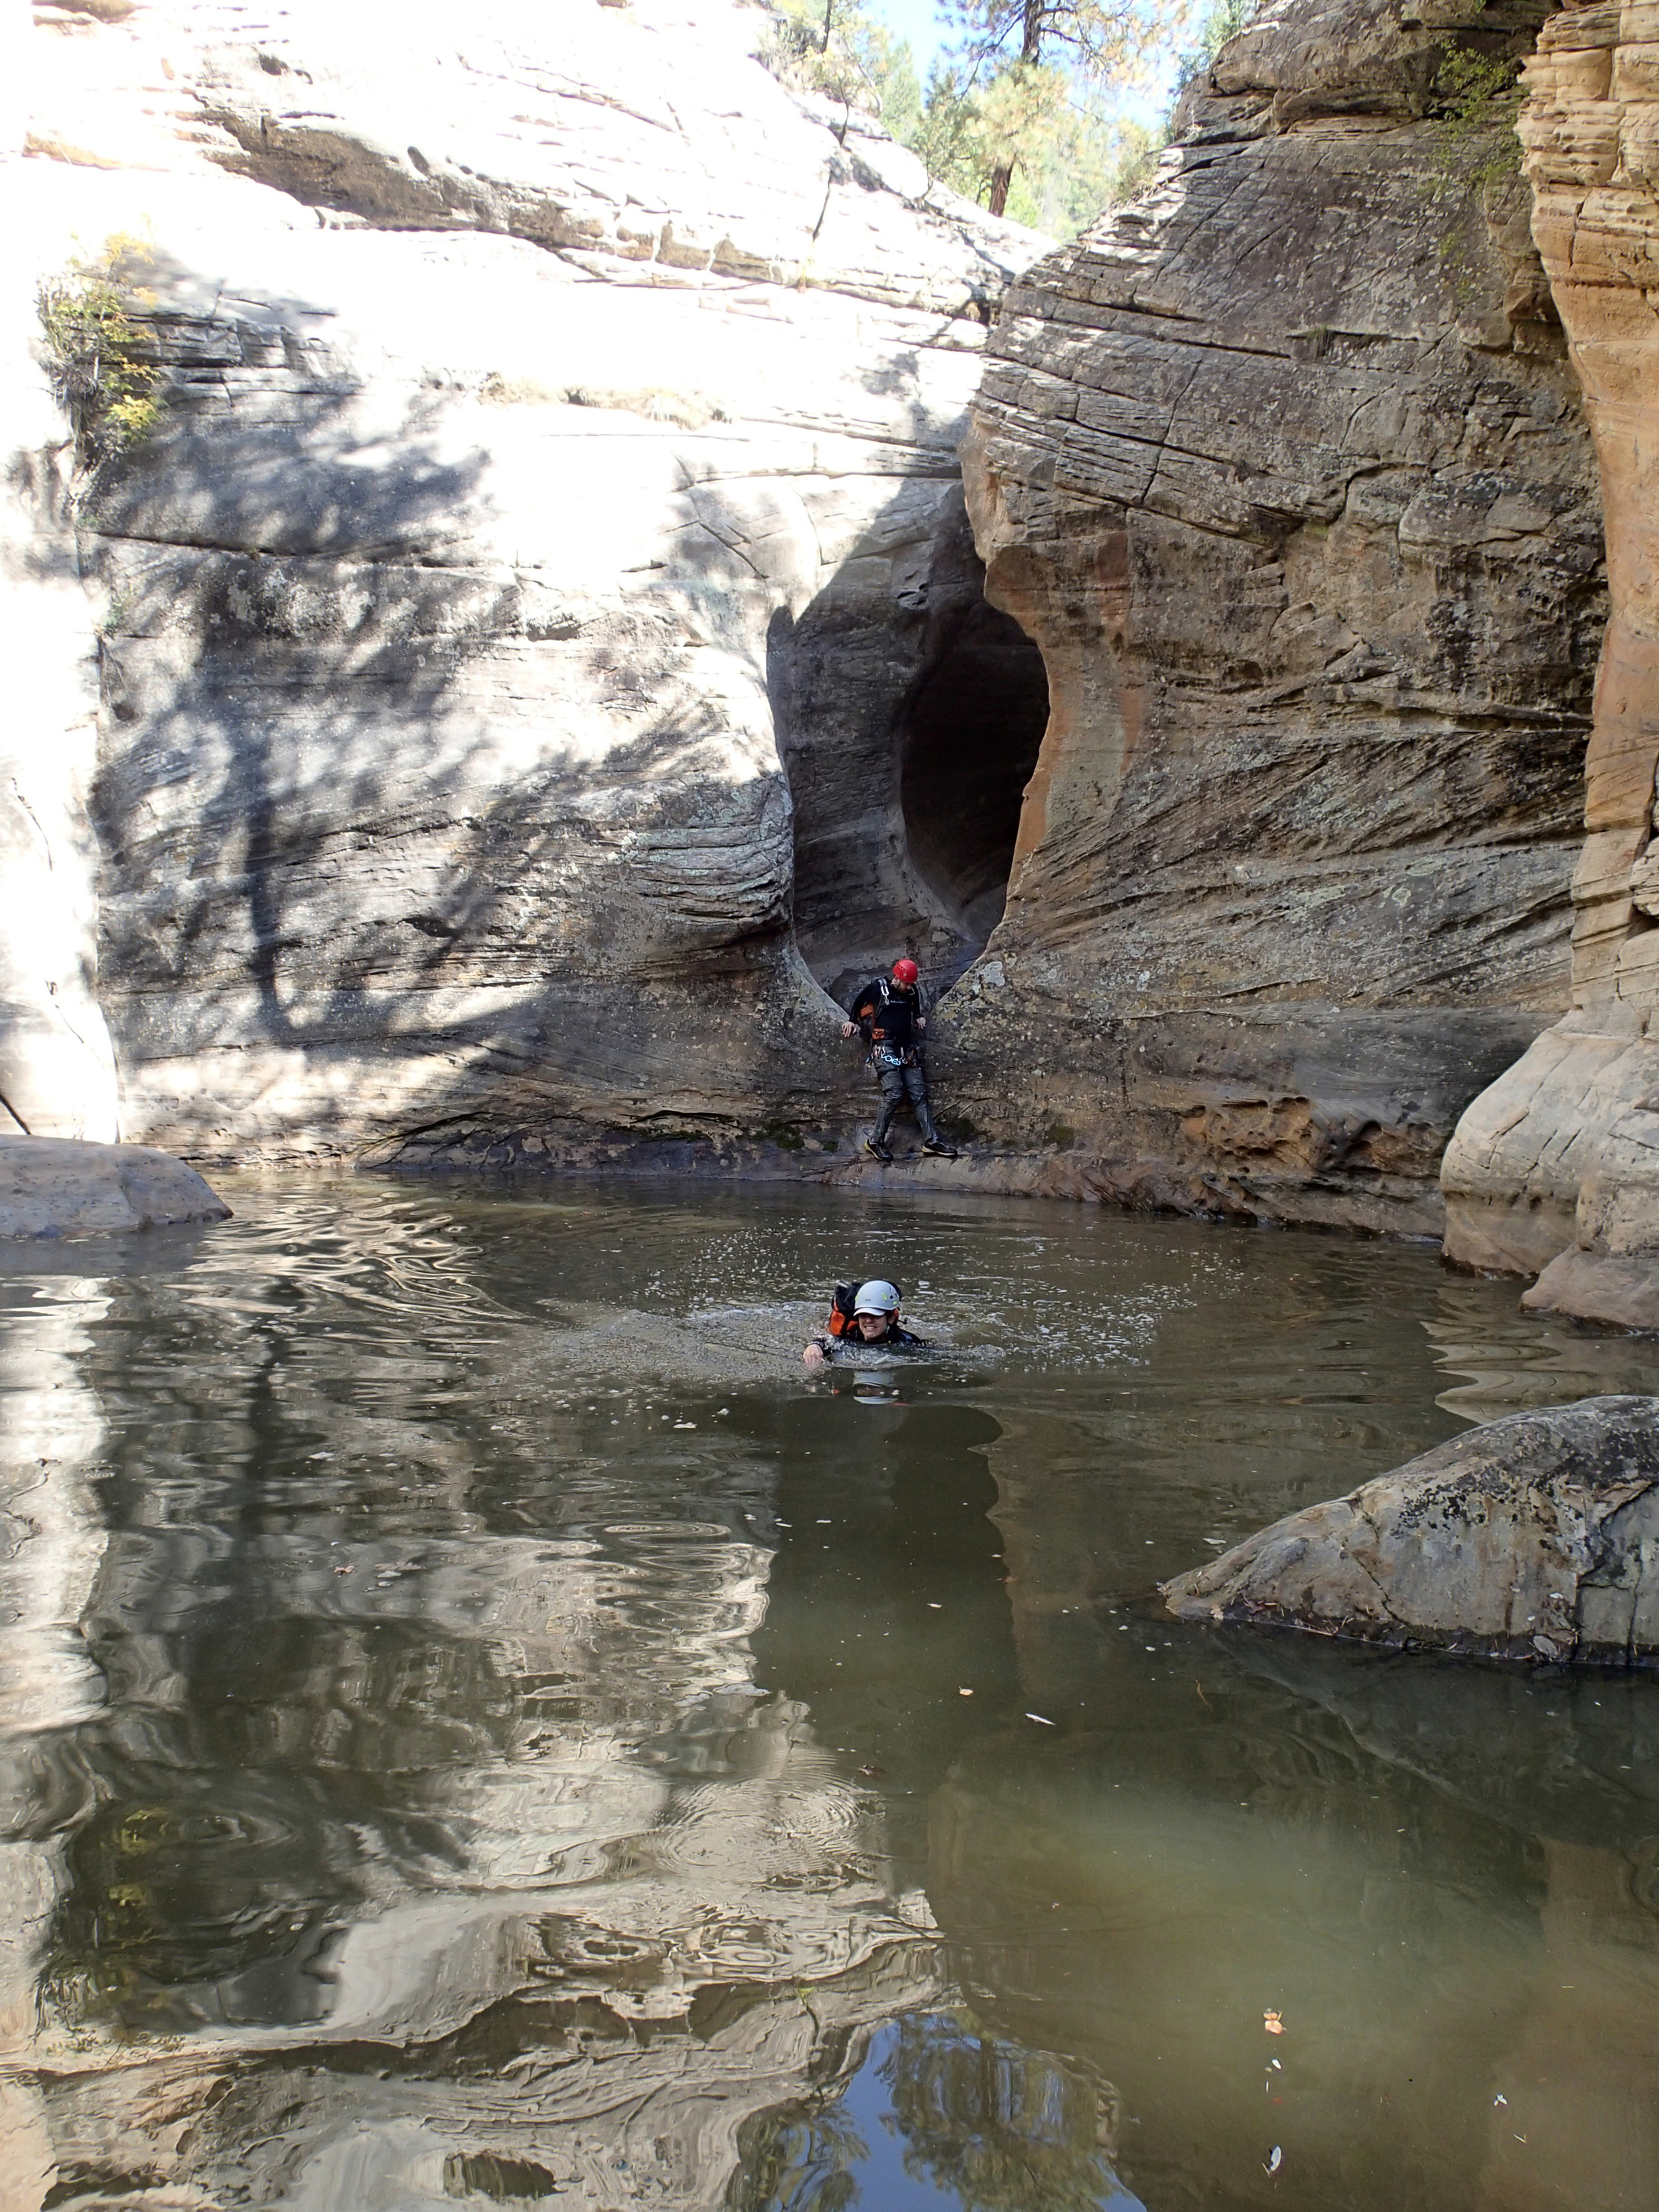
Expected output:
{"points": [[1535, 1537], [58, 1186]]}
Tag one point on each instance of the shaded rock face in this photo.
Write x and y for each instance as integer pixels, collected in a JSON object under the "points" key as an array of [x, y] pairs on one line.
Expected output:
{"points": [[66, 1187], [908, 720], [1558, 1157], [551, 551], [1532, 1537], [1284, 469]]}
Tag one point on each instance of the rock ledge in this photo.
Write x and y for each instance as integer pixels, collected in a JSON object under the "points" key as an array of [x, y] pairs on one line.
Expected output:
{"points": [[1535, 1537], [57, 1186]]}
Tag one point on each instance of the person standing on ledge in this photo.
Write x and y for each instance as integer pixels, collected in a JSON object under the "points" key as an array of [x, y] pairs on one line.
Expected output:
{"points": [[887, 1011]]}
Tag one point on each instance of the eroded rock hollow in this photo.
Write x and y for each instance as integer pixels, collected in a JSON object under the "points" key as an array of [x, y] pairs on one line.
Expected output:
{"points": [[909, 721]]}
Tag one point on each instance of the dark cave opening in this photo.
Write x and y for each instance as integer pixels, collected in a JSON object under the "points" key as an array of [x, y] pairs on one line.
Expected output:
{"points": [[969, 739], [908, 724]]}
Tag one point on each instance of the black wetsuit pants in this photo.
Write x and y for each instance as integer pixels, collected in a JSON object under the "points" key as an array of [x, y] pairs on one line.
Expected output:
{"points": [[898, 1083]]}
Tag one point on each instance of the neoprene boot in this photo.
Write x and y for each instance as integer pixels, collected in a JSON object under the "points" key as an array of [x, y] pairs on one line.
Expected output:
{"points": [[930, 1139]]}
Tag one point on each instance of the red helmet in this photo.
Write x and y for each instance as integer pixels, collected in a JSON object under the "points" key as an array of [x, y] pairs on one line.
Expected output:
{"points": [[905, 972]]}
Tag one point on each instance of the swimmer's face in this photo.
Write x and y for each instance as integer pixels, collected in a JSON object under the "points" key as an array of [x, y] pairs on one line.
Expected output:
{"points": [[871, 1326]]}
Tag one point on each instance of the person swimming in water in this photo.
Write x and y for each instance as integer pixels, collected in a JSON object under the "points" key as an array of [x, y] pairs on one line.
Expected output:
{"points": [[862, 1315]]}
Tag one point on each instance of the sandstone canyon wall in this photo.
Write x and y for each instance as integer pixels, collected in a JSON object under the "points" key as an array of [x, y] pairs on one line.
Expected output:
{"points": [[1556, 1167], [555, 459], [541, 649], [1284, 467]]}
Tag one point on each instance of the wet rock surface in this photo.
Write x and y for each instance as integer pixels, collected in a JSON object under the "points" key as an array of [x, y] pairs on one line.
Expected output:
{"points": [[1531, 1538], [57, 1186]]}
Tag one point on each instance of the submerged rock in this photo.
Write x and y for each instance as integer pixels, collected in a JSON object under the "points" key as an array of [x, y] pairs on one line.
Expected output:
{"points": [[1530, 1538], [55, 1187]]}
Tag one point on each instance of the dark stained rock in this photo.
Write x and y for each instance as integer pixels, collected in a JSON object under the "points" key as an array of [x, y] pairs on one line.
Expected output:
{"points": [[1531, 1538]]}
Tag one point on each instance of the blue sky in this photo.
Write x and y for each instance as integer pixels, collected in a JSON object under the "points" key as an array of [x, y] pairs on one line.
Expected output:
{"points": [[922, 23], [917, 21]]}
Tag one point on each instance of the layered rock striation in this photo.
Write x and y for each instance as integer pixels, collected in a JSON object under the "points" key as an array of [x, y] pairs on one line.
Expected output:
{"points": [[1284, 468], [541, 646], [551, 510], [1557, 1166]]}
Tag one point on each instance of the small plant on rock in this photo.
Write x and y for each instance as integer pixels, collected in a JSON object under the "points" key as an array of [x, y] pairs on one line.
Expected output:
{"points": [[1478, 96], [1475, 99], [101, 361]]}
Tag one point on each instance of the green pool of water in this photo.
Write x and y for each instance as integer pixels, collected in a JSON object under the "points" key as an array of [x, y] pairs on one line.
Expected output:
{"points": [[482, 1725]]}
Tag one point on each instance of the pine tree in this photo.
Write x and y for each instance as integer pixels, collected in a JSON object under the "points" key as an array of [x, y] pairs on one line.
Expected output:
{"points": [[837, 47], [1027, 60]]}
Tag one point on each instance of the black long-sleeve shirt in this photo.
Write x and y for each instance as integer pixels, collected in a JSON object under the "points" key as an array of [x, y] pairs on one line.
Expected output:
{"points": [[890, 1013], [894, 1338]]}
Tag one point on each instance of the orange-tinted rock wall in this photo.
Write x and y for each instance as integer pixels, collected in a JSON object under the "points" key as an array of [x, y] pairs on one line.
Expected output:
{"points": [[1556, 1165]]}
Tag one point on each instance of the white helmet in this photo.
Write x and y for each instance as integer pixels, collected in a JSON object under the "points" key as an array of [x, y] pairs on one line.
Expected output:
{"points": [[877, 1297]]}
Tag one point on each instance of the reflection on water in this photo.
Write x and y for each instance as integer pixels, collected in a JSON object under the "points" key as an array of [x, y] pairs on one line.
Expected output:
{"points": [[940, 2108], [481, 1725]]}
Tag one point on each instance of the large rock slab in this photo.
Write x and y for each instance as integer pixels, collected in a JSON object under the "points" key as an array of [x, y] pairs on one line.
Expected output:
{"points": [[1535, 1537], [55, 1187], [1284, 467], [1556, 1158], [558, 455]]}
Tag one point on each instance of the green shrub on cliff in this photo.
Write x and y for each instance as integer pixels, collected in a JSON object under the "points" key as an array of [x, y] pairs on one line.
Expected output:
{"points": [[101, 361], [1478, 97], [1474, 99]]}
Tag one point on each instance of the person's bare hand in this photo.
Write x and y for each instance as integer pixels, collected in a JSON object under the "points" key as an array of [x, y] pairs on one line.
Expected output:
{"points": [[848, 1028], [814, 1356]]}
